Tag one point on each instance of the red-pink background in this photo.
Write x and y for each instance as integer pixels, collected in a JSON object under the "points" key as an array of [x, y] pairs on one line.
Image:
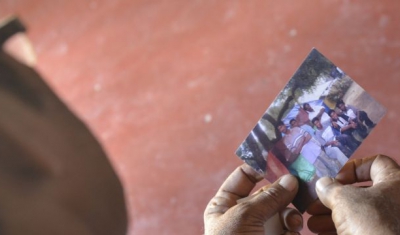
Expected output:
{"points": [[171, 88]]}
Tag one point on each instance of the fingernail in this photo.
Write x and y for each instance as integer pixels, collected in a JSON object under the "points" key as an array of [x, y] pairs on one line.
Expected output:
{"points": [[289, 182], [323, 183], [295, 221]]}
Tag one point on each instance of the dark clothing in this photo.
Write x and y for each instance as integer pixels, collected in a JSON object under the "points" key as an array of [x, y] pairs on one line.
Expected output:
{"points": [[353, 113], [359, 132], [363, 116], [347, 144]]}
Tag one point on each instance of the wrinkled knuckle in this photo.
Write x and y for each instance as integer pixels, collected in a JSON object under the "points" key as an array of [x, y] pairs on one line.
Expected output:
{"points": [[243, 210], [273, 192], [217, 200], [274, 197], [244, 207], [219, 205]]}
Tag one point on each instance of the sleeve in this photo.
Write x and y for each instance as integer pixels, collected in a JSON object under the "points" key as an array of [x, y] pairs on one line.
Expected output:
{"points": [[318, 136], [298, 138]]}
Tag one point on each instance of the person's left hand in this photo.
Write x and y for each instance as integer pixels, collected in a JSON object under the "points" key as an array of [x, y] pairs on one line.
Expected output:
{"points": [[224, 215]]}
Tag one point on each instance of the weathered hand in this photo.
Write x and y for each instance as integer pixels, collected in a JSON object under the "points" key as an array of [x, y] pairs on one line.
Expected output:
{"points": [[224, 215], [359, 210]]}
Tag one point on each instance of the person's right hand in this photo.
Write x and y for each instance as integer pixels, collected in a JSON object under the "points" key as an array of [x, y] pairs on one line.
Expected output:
{"points": [[333, 143], [335, 125], [228, 213], [359, 210]]}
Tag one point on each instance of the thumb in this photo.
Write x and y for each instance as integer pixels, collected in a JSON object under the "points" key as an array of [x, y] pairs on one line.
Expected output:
{"points": [[272, 199], [327, 190]]}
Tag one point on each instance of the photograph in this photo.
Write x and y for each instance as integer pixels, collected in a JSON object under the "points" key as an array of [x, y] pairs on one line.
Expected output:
{"points": [[312, 128]]}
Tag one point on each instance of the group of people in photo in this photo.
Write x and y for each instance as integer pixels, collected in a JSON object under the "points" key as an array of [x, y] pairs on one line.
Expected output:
{"points": [[320, 140]]}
